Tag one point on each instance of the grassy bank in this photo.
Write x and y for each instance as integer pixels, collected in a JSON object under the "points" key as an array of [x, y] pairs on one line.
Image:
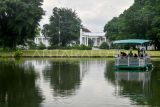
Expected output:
{"points": [[71, 53]]}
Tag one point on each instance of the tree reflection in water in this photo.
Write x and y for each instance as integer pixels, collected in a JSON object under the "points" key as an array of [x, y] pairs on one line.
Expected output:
{"points": [[17, 86], [143, 88], [64, 77]]}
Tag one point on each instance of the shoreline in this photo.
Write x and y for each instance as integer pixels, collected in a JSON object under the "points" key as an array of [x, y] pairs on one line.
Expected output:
{"points": [[67, 57], [72, 54]]}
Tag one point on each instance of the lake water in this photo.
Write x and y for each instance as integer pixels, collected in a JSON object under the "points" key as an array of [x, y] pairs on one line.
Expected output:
{"points": [[75, 83]]}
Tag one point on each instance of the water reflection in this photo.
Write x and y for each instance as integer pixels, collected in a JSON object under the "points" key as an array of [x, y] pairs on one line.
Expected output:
{"points": [[133, 84], [17, 86], [64, 78], [80, 83], [141, 87], [142, 77]]}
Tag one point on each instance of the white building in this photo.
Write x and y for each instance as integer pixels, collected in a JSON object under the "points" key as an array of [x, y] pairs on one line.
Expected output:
{"points": [[97, 38], [42, 39]]}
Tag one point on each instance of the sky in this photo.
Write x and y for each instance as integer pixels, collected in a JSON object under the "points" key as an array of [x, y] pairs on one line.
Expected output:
{"points": [[93, 13]]}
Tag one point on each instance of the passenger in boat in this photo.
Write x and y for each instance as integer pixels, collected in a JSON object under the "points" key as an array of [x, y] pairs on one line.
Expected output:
{"points": [[141, 55], [130, 54], [135, 55], [123, 54], [142, 52], [139, 52]]}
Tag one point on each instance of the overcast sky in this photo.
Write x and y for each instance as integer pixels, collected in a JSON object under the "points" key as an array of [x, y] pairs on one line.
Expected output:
{"points": [[93, 13]]}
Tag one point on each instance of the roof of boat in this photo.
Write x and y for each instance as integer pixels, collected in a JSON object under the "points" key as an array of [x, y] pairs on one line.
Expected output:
{"points": [[131, 41]]}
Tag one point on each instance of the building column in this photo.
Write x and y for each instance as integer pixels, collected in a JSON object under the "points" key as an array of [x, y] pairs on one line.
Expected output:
{"points": [[105, 39], [46, 42], [87, 41], [80, 39], [42, 40], [96, 42], [35, 40], [101, 40]]}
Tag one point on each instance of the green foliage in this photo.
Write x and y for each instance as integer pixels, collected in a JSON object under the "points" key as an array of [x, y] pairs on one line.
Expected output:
{"points": [[1, 49], [104, 45], [54, 47], [19, 21], [80, 47], [140, 21], [31, 44], [41, 46], [84, 47], [64, 26], [6, 49], [18, 54]]}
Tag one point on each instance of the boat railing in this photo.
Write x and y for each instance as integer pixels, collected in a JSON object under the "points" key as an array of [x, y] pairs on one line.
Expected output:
{"points": [[132, 61]]}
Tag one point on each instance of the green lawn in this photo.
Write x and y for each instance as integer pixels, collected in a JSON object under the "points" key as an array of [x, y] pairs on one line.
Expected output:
{"points": [[72, 53]]}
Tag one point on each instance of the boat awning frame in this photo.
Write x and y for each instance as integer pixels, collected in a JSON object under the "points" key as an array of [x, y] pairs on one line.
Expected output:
{"points": [[131, 41]]}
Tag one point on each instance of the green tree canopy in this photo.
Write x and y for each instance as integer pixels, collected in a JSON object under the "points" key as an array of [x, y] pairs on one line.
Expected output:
{"points": [[64, 26], [19, 20], [140, 21]]}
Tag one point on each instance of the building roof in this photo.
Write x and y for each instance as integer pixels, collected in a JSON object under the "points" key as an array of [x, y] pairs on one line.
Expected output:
{"points": [[95, 34], [85, 30]]}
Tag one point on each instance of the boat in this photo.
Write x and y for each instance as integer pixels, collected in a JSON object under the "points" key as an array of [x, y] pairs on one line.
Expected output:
{"points": [[139, 60]]}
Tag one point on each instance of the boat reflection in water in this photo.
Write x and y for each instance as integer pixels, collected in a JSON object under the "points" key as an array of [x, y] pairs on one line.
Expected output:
{"points": [[143, 77], [133, 84]]}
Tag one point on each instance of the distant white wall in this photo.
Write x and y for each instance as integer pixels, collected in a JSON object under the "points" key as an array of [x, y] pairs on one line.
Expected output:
{"points": [[44, 40], [97, 38], [151, 47]]}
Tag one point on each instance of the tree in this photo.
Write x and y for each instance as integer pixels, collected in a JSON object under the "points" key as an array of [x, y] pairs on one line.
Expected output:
{"points": [[63, 28], [104, 45], [140, 21], [41, 46], [19, 20]]}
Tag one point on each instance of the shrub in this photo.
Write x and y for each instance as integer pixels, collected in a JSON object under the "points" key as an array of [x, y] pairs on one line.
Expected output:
{"points": [[6, 49], [84, 47], [124, 46], [41, 46], [73, 47], [1, 49], [32, 45], [104, 45], [22, 47], [18, 54], [55, 47]]}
